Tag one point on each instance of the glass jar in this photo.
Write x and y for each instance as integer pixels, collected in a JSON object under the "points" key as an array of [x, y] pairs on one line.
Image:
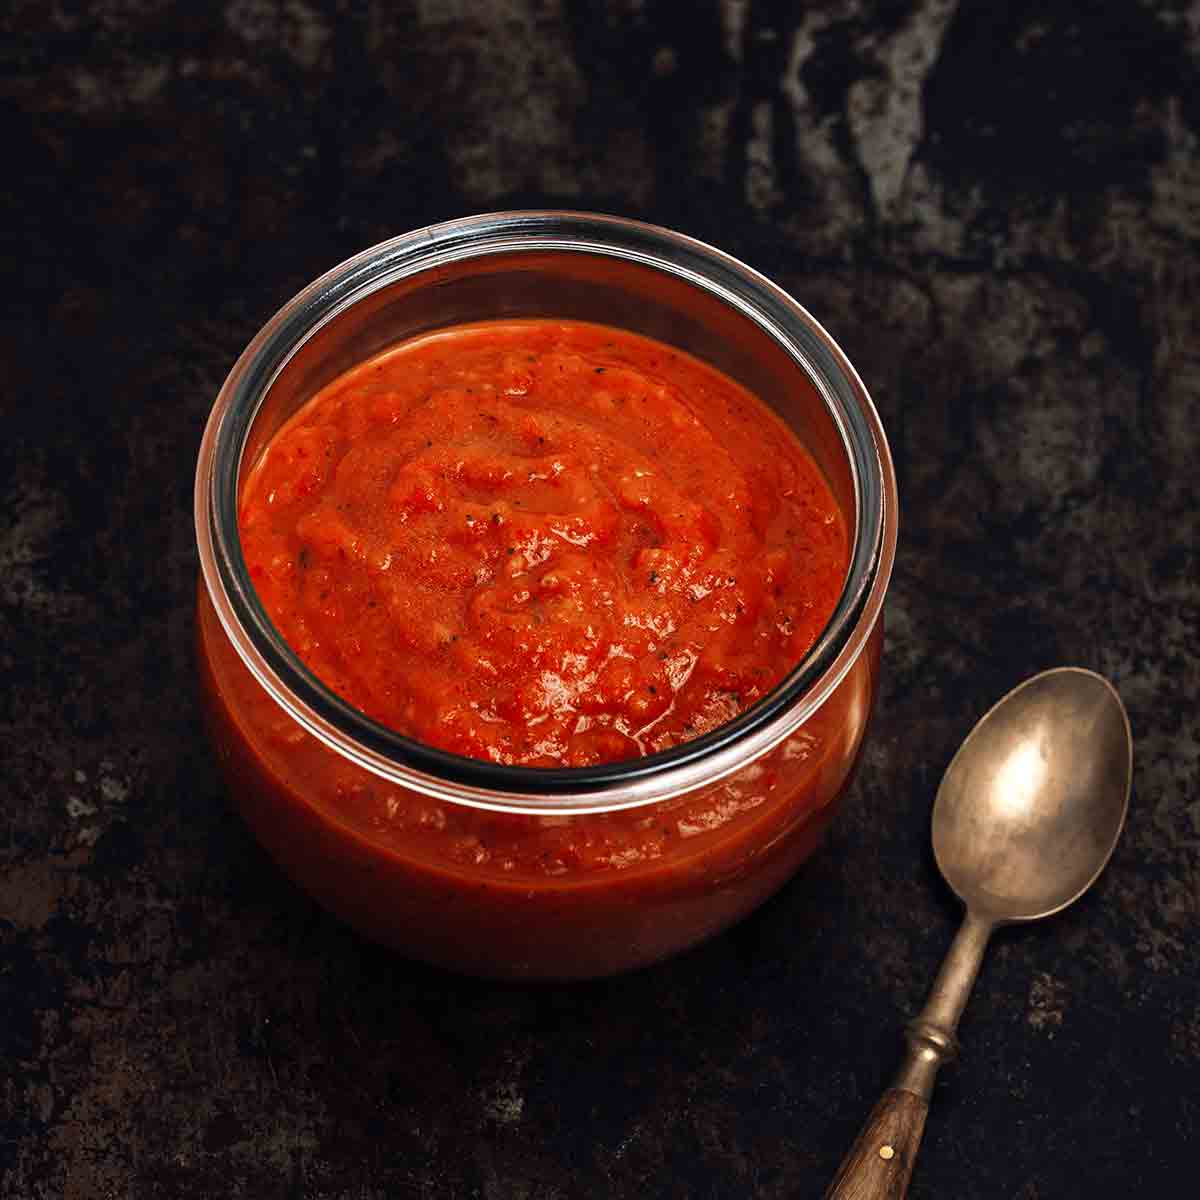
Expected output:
{"points": [[518, 871]]}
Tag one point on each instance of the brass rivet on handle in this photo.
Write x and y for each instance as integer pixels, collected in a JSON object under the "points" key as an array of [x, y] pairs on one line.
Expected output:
{"points": [[886, 1152]]}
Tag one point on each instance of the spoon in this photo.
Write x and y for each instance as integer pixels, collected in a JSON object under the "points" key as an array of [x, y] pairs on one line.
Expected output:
{"points": [[1027, 815]]}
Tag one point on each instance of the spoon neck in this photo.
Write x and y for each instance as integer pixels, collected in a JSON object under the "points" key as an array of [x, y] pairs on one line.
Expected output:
{"points": [[948, 996], [932, 1034]]}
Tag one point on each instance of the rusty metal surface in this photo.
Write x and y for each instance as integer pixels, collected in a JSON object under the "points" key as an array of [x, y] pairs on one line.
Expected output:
{"points": [[993, 208]]}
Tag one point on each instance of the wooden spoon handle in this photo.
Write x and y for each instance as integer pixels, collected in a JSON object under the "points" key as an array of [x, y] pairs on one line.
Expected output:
{"points": [[879, 1164]]}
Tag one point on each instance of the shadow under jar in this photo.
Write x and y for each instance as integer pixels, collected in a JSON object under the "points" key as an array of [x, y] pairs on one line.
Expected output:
{"points": [[392, 835]]}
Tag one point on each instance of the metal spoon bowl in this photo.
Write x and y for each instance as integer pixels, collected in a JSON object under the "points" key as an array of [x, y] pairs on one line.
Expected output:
{"points": [[1026, 817], [1029, 810]]}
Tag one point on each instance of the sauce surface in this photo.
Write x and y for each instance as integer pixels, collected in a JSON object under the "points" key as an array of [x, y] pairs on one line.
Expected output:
{"points": [[543, 542]]}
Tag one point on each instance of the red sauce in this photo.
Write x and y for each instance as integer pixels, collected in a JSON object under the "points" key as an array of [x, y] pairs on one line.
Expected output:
{"points": [[545, 543]]}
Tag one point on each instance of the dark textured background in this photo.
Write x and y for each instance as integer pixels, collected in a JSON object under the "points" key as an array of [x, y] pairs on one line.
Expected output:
{"points": [[995, 208]]}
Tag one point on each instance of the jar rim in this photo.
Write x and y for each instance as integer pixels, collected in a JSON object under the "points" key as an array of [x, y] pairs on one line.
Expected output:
{"points": [[480, 783]]}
